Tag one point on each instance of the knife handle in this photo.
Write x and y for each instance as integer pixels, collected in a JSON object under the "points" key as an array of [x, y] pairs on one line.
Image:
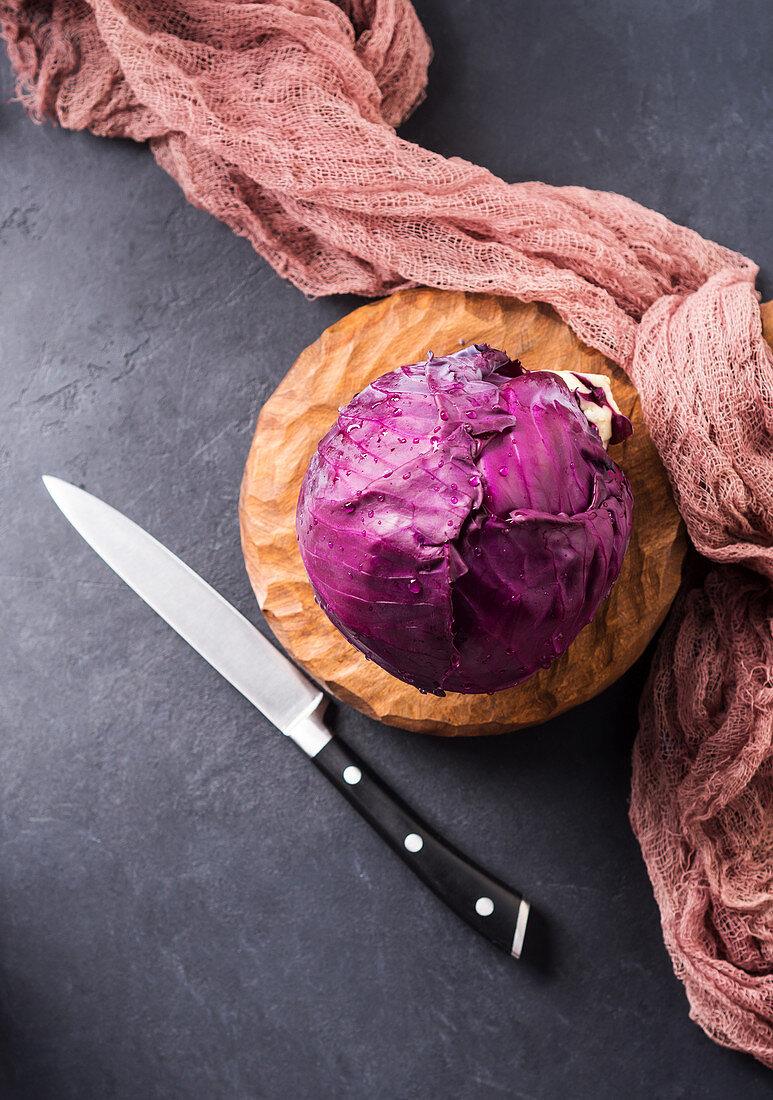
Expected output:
{"points": [[490, 907]]}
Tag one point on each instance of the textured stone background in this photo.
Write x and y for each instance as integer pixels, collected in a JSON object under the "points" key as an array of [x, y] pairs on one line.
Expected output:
{"points": [[186, 909]]}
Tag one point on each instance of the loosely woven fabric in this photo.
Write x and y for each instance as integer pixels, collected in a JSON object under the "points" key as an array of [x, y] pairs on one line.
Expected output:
{"points": [[280, 118]]}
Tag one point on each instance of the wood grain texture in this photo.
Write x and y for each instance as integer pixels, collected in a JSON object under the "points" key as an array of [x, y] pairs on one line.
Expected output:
{"points": [[368, 342]]}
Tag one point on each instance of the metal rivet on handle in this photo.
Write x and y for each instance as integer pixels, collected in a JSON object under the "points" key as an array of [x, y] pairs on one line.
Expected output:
{"points": [[352, 775], [484, 907], [413, 842]]}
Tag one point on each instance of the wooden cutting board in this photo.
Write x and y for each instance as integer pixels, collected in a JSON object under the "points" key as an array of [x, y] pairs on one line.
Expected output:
{"points": [[368, 342]]}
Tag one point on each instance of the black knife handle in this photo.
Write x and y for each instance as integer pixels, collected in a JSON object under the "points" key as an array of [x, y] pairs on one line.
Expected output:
{"points": [[492, 909]]}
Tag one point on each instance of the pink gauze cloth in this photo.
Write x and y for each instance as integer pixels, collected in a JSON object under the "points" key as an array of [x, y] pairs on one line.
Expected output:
{"points": [[279, 118]]}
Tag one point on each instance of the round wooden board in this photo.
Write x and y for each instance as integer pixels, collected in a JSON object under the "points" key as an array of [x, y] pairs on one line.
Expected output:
{"points": [[368, 342]]}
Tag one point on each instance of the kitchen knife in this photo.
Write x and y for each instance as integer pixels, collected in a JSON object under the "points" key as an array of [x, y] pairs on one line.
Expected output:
{"points": [[293, 704]]}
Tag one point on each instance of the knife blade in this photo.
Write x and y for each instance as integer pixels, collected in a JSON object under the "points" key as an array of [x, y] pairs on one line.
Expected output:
{"points": [[240, 653]]}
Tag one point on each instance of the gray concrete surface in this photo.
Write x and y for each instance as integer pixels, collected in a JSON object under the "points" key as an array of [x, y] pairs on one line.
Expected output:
{"points": [[186, 909]]}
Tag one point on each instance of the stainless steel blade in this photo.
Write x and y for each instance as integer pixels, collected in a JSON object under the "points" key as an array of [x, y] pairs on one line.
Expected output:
{"points": [[199, 614]]}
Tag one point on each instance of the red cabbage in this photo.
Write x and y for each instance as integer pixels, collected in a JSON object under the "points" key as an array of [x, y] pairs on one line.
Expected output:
{"points": [[462, 521]]}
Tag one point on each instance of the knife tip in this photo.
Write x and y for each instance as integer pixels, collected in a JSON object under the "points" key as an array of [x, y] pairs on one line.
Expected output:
{"points": [[58, 489]]}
